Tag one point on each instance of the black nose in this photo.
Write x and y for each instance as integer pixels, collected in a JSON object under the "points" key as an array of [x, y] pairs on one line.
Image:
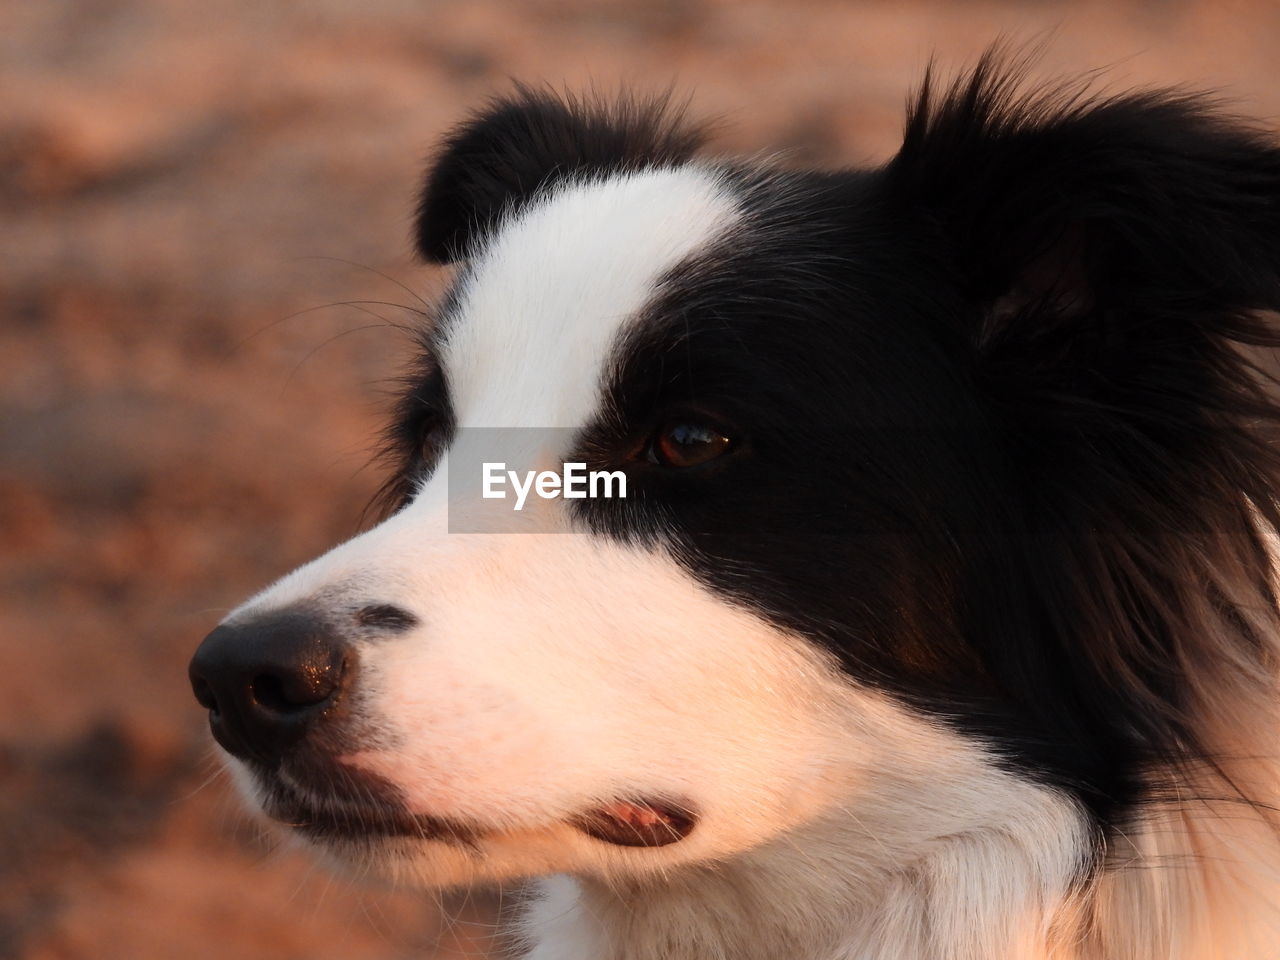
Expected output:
{"points": [[269, 681]]}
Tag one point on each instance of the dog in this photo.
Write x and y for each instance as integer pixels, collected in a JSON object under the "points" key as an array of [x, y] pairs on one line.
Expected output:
{"points": [[938, 621]]}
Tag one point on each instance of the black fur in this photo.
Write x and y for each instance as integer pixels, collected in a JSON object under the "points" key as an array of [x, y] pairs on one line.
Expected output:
{"points": [[999, 443]]}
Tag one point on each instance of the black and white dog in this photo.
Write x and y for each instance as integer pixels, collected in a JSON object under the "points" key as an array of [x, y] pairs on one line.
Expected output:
{"points": [[938, 622]]}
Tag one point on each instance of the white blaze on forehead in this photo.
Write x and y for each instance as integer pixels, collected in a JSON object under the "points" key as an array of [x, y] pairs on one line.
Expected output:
{"points": [[548, 298]]}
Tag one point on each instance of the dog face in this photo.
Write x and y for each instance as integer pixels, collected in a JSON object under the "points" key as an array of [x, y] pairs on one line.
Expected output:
{"points": [[529, 688], [871, 424]]}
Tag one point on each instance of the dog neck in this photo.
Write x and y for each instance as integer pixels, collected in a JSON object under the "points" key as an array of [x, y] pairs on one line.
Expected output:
{"points": [[885, 885]]}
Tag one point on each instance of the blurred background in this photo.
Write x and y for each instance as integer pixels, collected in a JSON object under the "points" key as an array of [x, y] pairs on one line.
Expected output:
{"points": [[203, 263]]}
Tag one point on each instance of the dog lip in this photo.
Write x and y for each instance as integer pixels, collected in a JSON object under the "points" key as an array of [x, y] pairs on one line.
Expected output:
{"points": [[644, 822], [350, 805], [351, 823]]}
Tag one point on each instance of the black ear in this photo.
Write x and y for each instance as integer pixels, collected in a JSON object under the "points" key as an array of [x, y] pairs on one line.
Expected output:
{"points": [[1131, 205], [498, 160]]}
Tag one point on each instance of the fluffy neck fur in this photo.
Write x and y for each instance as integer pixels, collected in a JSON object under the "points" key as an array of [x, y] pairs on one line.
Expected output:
{"points": [[1187, 884]]}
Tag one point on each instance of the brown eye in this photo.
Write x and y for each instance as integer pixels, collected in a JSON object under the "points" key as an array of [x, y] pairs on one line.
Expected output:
{"points": [[684, 443]]}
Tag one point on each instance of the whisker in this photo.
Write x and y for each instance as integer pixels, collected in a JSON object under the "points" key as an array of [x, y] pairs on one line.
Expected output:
{"points": [[355, 304], [324, 343], [364, 266]]}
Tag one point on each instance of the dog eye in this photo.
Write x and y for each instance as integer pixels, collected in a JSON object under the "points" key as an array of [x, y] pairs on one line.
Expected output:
{"points": [[684, 443]]}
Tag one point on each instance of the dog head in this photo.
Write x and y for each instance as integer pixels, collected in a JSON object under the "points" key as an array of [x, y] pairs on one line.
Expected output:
{"points": [[926, 467]]}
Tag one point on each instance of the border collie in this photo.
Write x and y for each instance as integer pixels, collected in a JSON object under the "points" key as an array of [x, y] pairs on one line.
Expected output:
{"points": [[938, 621]]}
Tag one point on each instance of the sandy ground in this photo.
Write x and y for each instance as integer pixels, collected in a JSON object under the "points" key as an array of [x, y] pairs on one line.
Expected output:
{"points": [[190, 192]]}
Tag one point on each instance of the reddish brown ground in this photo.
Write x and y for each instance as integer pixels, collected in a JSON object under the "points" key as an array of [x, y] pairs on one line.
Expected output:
{"points": [[179, 180]]}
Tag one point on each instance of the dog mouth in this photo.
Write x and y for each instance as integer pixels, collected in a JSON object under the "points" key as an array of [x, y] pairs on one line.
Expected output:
{"points": [[370, 820], [353, 805], [334, 802], [621, 823]]}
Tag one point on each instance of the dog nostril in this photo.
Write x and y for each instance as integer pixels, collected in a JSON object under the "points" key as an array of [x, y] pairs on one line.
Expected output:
{"points": [[268, 692], [293, 692]]}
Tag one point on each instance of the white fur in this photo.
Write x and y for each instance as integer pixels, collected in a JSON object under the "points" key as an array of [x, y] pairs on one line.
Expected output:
{"points": [[544, 304]]}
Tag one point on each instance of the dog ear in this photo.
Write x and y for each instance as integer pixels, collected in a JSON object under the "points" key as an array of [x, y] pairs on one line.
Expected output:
{"points": [[1128, 211], [500, 159]]}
